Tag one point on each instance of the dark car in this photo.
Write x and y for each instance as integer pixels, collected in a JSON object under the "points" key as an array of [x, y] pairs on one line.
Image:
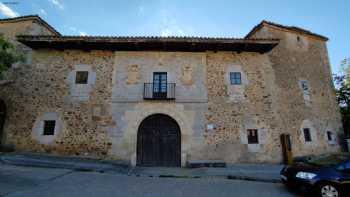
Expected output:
{"points": [[324, 175]]}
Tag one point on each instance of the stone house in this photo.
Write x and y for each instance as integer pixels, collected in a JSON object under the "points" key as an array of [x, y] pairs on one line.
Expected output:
{"points": [[164, 101]]}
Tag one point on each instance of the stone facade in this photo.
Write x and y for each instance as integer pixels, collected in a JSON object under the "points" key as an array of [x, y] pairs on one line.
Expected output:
{"points": [[283, 91], [304, 58], [30, 25], [10, 29]]}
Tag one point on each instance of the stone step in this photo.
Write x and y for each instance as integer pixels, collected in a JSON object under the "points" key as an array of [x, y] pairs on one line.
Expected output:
{"points": [[6, 148], [206, 163]]}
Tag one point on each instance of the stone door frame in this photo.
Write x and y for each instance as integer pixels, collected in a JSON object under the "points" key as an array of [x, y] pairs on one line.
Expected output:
{"points": [[135, 118], [159, 142]]}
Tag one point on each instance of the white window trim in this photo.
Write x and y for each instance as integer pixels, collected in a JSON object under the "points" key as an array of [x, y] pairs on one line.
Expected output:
{"points": [[38, 128], [334, 137], [311, 138], [81, 92], [313, 133], [306, 93]]}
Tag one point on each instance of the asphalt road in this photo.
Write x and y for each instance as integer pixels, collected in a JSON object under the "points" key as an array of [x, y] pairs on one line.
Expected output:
{"points": [[28, 181]]}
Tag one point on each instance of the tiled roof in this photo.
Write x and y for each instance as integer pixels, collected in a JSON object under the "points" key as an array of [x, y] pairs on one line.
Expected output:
{"points": [[289, 28], [145, 38], [139, 43], [32, 17]]}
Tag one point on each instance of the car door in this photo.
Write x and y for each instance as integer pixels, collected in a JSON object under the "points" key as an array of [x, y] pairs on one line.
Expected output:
{"points": [[345, 173]]}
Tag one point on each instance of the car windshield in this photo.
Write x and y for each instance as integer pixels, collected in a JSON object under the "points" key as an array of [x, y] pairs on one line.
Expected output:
{"points": [[327, 159]]}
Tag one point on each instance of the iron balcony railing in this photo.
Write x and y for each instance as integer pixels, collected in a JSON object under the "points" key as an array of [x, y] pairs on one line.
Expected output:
{"points": [[159, 91]]}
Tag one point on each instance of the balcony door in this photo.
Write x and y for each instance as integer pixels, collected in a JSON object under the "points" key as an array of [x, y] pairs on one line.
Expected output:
{"points": [[160, 85]]}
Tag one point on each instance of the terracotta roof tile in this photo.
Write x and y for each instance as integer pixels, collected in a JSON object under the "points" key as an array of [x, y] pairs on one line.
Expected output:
{"points": [[141, 38], [138, 43]]}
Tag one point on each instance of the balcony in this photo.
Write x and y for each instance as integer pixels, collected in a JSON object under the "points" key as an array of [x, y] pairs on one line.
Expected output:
{"points": [[159, 91]]}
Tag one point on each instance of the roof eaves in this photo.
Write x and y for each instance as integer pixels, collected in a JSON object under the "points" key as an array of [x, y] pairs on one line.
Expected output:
{"points": [[141, 38], [149, 43]]}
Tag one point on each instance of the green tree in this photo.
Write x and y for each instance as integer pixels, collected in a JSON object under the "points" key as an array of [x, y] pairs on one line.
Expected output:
{"points": [[8, 55], [342, 82]]}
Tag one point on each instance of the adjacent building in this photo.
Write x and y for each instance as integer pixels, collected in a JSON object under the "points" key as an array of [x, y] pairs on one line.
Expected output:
{"points": [[164, 101]]}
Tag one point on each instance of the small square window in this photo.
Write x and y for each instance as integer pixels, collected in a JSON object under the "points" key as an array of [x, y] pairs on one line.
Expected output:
{"points": [[304, 85], [307, 135], [329, 135], [81, 77], [49, 127], [235, 78], [252, 136]]}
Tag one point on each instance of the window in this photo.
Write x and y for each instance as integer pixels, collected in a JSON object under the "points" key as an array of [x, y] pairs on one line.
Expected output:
{"points": [[49, 127], [329, 135], [81, 77], [307, 135], [347, 166], [235, 78], [252, 136], [159, 82], [304, 85]]}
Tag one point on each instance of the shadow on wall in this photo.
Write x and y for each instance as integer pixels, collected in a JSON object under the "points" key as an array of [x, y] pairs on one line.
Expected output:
{"points": [[3, 147], [346, 145]]}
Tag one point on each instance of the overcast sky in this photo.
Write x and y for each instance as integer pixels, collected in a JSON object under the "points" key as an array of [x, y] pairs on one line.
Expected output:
{"points": [[212, 18]]}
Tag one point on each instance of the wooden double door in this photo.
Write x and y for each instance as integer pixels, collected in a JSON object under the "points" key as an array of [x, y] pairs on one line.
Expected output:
{"points": [[159, 142]]}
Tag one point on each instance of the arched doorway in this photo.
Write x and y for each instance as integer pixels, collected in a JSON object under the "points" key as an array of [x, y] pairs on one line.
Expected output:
{"points": [[2, 118], [159, 142]]}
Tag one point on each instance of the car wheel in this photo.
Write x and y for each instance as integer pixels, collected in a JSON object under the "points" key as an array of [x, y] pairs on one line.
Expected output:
{"points": [[328, 190]]}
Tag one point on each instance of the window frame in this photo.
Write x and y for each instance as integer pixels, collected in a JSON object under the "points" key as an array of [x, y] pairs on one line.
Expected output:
{"points": [[84, 80], [305, 85], [51, 126], [307, 134], [329, 136], [235, 78], [253, 136], [160, 82]]}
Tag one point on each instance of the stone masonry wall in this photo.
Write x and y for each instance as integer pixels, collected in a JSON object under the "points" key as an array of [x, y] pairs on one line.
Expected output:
{"points": [[131, 71], [10, 29], [102, 127], [256, 110], [43, 88], [300, 57], [26, 27]]}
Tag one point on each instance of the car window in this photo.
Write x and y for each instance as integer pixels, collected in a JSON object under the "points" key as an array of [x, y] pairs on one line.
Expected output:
{"points": [[347, 165], [328, 159], [344, 167]]}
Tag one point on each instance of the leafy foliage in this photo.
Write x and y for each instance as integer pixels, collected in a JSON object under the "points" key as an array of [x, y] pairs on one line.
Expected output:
{"points": [[8, 55], [343, 94]]}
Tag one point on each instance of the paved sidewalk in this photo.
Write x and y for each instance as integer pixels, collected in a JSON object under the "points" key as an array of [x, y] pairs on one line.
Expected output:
{"points": [[63, 162], [253, 172], [24, 181]]}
